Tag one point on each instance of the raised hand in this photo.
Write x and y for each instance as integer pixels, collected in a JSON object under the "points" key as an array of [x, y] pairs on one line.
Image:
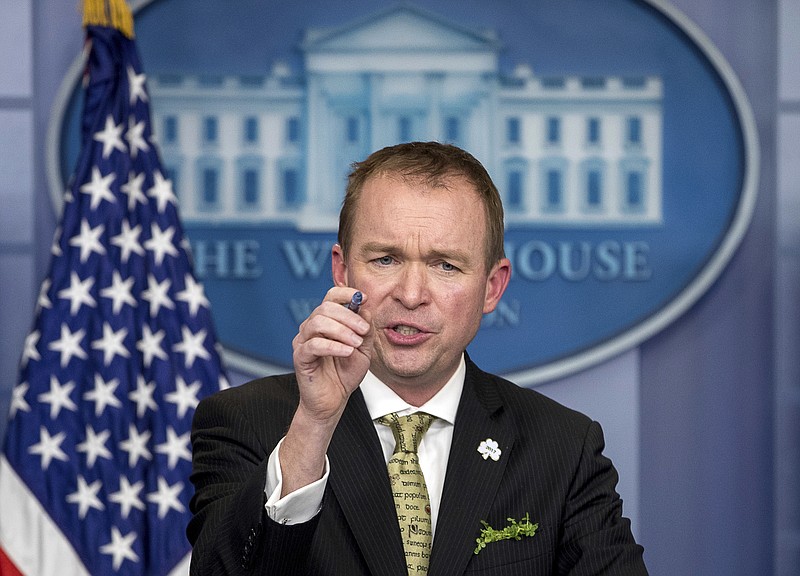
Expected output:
{"points": [[332, 353]]}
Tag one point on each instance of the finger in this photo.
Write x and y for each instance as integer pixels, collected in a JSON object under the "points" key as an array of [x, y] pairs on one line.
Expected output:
{"points": [[335, 324], [350, 298], [339, 314], [315, 348]]}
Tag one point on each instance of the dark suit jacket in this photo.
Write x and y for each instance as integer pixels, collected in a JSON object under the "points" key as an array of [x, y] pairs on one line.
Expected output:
{"points": [[551, 468]]}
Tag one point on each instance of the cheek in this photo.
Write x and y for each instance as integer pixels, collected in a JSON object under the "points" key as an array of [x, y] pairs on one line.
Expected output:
{"points": [[463, 300]]}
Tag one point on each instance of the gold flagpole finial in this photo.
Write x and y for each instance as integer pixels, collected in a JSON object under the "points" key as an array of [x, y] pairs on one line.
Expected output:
{"points": [[112, 13]]}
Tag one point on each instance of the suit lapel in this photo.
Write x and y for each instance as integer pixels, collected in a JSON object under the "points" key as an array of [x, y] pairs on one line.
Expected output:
{"points": [[471, 481], [360, 483]]}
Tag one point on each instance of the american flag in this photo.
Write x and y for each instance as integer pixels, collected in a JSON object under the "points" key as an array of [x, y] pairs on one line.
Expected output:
{"points": [[96, 460]]}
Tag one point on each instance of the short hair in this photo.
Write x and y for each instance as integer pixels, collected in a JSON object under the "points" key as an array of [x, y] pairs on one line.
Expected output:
{"points": [[433, 164]]}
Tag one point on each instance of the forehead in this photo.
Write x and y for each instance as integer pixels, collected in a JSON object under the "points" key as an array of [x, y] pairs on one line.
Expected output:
{"points": [[391, 205], [389, 185]]}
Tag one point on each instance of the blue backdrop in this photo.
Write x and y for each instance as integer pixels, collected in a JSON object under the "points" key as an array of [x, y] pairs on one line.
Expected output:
{"points": [[709, 499]]}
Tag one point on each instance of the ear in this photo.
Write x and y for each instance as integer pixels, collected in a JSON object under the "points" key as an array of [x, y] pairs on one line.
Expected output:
{"points": [[338, 266], [496, 283]]}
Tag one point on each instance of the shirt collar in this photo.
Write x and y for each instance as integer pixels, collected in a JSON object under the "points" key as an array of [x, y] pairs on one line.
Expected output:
{"points": [[382, 400]]}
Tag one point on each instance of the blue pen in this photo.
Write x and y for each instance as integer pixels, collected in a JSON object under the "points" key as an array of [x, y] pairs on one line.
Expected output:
{"points": [[355, 302]]}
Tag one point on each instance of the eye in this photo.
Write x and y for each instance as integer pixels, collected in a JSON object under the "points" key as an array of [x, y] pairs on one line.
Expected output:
{"points": [[384, 260], [447, 267]]}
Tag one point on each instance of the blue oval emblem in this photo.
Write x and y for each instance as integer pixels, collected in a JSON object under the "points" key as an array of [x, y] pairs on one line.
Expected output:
{"points": [[621, 141]]}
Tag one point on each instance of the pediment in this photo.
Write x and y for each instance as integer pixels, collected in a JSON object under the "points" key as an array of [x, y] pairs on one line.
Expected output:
{"points": [[401, 28]]}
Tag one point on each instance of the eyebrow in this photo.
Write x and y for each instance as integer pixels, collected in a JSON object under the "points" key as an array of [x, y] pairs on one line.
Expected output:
{"points": [[461, 256]]}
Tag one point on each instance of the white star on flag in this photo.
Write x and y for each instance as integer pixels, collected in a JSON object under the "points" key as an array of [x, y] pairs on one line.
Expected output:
{"points": [[58, 397], [86, 497], [157, 294], [44, 300], [150, 345], [55, 249], [128, 496], [136, 82], [69, 345], [128, 241], [162, 192], [184, 397], [160, 243], [133, 188], [166, 497], [176, 448], [18, 401], [143, 396], [103, 394], [120, 547], [136, 445], [78, 293], [88, 240], [135, 136], [119, 292], [193, 294], [49, 447], [111, 343], [99, 188], [95, 446], [111, 137], [30, 351], [192, 345]]}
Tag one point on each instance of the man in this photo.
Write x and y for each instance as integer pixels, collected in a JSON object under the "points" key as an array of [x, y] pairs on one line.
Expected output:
{"points": [[291, 471]]}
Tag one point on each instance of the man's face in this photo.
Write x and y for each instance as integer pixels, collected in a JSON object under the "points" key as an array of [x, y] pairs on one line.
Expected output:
{"points": [[418, 253]]}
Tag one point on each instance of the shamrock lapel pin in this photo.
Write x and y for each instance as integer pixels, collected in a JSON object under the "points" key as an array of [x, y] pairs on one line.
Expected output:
{"points": [[489, 449]]}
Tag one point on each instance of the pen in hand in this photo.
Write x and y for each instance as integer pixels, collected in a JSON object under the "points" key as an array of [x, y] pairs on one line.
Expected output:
{"points": [[355, 302]]}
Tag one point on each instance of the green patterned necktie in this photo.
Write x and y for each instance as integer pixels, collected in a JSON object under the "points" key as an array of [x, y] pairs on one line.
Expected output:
{"points": [[409, 489]]}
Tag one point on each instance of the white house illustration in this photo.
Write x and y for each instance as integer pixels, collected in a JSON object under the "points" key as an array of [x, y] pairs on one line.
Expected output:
{"points": [[576, 151]]}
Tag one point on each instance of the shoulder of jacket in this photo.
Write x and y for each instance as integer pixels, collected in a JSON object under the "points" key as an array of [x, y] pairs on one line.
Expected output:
{"points": [[533, 406], [278, 390]]}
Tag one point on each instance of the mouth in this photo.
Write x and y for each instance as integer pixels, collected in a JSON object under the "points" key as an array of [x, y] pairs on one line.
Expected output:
{"points": [[406, 330], [406, 334]]}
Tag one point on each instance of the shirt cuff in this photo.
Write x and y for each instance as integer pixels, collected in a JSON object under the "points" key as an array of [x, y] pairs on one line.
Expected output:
{"points": [[299, 506]]}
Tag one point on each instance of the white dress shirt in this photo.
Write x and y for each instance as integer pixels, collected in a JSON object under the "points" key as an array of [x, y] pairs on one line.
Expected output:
{"points": [[303, 504]]}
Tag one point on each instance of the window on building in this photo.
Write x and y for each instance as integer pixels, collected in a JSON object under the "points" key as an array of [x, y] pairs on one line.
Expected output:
{"points": [[291, 187], [553, 130], [211, 81], [553, 82], [634, 131], [513, 131], [515, 193], [170, 130], [452, 129], [210, 192], [352, 129], [210, 130], [170, 79], [634, 191], [248, 81], [554, 193], [251, 129], [593, 83], [293, 130], [593, 131], [634, 82], [594, 189], [250, 187], [404, 129]]}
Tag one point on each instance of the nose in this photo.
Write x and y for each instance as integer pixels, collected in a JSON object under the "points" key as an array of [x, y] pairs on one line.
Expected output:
{"points": [[411, 289]]}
